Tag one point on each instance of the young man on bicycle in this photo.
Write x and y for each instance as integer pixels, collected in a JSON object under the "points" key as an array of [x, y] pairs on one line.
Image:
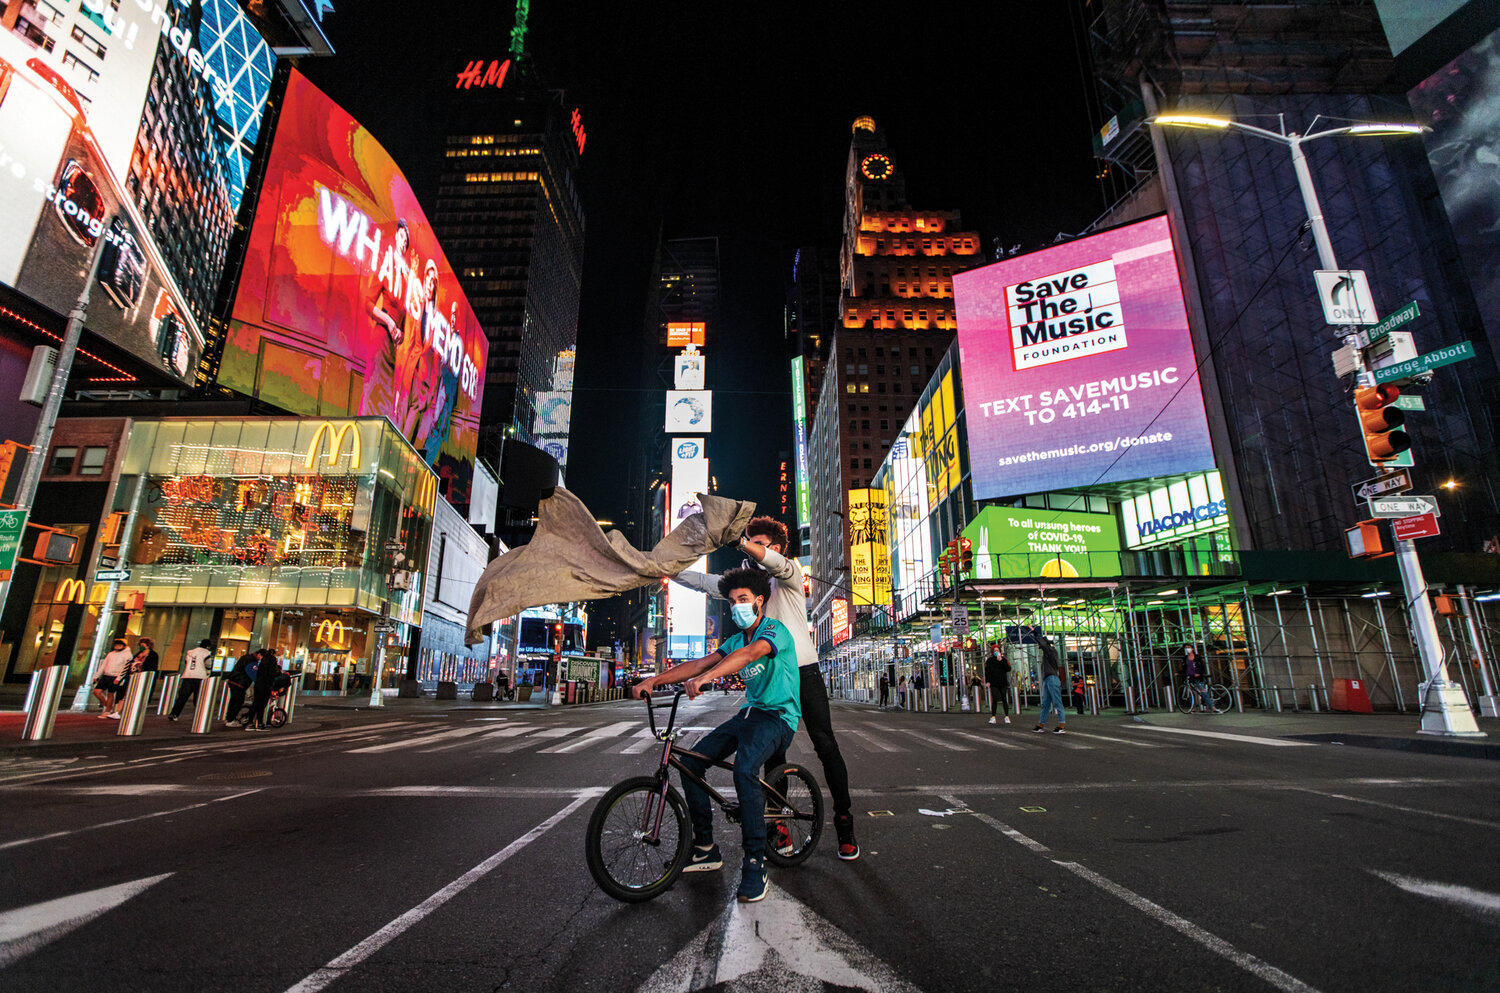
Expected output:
{"points": [[765, 542], [766, 659]]}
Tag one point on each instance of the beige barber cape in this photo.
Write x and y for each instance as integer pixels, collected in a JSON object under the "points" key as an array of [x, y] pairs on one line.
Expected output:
{"points": [[570, 558]]}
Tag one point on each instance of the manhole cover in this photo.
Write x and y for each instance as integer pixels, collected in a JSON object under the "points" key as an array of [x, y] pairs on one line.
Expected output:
{"points": [[242, 774]]}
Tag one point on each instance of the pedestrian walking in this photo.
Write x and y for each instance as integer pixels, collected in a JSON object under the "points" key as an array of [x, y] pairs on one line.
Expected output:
{"points": [[240, 679], [146, 659], [108, 688], [194, 671], [885, 690], [1195, 675], [997, 678], [266, 672], [1051, 684], [901, 691], [1078, 692]]}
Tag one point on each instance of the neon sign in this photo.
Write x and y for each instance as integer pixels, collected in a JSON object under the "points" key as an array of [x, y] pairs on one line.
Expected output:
{"points": [[476, 73], [579, 134]]}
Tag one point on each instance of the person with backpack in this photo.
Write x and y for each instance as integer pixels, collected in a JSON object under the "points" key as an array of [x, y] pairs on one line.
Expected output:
{"points": [[240, 679], [194, 671], [997, 678], [266, 672]]}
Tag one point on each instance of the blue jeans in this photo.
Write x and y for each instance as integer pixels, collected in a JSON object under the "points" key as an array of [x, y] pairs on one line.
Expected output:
{"points": [[751, 736], [1199, 686], [1052, 697]]}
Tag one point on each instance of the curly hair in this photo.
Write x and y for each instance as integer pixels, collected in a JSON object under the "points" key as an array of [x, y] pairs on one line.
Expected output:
{"points": [[754, 580], [771, 528]]}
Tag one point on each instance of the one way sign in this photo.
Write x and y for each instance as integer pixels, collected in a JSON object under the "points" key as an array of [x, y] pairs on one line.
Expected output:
{"points": [[1404, 506], [1395, 482]]}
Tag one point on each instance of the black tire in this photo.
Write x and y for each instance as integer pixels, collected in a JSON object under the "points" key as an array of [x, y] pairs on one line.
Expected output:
{"points": [[1221, 698], [793, 799], [624, 865], [276, 717]]}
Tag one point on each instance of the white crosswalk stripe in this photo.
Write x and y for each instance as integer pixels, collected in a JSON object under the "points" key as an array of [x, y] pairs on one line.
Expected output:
{"points": [[993, 742], [447, 737], [933, 740], [590, 738], [641, 741], [872, 740]]}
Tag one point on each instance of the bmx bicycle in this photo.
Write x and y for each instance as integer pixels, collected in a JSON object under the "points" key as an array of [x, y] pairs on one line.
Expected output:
{"points": [[639, 835]]}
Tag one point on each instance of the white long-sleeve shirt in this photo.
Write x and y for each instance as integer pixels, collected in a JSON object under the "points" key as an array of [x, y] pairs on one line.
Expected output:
{"points": [[786, 604], [115, 663]]}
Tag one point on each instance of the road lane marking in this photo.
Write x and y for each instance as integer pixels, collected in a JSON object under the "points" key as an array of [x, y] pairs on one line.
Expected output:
{"points": [[932, 740], [593, 737], [996, 742], [124, 820], [337, 968], [1092, 736], [391, 746], [871, 740], [26, 929], [1226, 736], [1396, 806], [450, 744], [487, 792], [1487, 904], [508, 732], [643, 739], [1257, 967]]}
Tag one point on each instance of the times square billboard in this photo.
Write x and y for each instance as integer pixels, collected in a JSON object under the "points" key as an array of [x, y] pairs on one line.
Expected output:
{"points": [[88, 164], [346, 305], [1078, 366]]}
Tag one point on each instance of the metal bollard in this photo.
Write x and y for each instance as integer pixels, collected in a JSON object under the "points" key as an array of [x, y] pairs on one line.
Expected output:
{"points": [[168, 693], [1312, 696], [212, 697], [1129, 700], [43, 699], [1276, 692], [289, 702], [137, 698]]}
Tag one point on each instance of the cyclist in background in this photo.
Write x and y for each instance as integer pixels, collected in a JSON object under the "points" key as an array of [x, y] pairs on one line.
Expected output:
{"points": [[766, 659], [1195, 675]]}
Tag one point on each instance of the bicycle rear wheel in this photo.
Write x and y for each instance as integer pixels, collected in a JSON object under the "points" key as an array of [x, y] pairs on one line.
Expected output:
{"points": [[276, 716], [1219, 694], [794, 801], [621, 856]]}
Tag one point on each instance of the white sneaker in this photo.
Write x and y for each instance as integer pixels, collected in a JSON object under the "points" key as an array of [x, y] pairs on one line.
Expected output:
{"points": [[1007, 719], [992, 720], [114, 717]]}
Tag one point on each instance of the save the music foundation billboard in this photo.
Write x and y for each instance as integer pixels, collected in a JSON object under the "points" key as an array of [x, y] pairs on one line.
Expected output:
{"points": [[1078, 366], [347, 305]]}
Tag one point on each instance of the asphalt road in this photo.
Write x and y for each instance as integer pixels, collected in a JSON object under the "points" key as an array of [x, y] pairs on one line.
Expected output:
{"points": [[444, 851]]}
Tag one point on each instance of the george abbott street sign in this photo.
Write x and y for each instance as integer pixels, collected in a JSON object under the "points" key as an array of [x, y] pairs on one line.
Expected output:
{"points": [[1404, 506], [1425, 363]]}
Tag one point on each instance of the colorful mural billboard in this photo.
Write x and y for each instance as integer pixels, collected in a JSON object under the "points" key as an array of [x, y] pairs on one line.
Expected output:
{"points": [[347, 305], [1078, 367]]}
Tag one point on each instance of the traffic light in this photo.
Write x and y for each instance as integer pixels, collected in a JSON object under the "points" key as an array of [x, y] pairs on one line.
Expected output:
{"points": [[965, 555], [1384, 441]]}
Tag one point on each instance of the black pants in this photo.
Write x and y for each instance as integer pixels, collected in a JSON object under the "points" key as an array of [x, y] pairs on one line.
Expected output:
{"points": [[258, 708], [999, 695], [236, 701], [186, 690], [819, 723]]}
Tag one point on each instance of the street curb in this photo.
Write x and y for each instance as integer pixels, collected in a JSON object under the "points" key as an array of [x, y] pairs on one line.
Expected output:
{"points": [[1425, 746]]}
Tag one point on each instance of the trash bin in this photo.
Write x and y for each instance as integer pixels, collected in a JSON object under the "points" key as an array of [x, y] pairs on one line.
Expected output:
{"points": [[1349, 695], [570, 691]]}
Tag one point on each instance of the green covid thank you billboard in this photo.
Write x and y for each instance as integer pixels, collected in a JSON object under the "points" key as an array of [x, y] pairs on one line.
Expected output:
{"points": [[1029, 543]]}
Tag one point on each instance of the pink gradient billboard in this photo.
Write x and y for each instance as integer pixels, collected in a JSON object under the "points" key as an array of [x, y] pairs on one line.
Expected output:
{"points": [[1078, 367]]}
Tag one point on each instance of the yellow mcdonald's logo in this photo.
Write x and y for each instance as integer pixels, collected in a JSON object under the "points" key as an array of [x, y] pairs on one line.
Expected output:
{"points": [[426, 495], [336, 435], [75, 590], [330, 633]]}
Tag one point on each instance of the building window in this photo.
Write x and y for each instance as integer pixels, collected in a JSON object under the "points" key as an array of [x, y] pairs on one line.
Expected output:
{"points": [[867, 463], [916, 370], [89, 42], [851, 388], [854, 463], [864, 387], [74, 62], [864, 370], [62, 461], [865, 425], [93, 461]]}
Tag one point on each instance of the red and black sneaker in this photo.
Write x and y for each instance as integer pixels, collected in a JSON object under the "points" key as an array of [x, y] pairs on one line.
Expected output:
{"points": [[843, 824], [781, 839]]}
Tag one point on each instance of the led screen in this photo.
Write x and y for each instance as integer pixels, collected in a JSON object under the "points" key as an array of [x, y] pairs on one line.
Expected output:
{"points": [[690, 411], [1028, 543], [1078, 367], [687, 610], [347, 305], [88, 163]]}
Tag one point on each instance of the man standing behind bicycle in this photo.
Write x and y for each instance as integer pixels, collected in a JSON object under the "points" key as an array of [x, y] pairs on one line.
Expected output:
{"points": [[1195, 675], [765, 656]]}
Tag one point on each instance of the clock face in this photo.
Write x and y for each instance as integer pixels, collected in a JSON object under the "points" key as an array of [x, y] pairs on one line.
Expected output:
{"points": [[876, 167]]}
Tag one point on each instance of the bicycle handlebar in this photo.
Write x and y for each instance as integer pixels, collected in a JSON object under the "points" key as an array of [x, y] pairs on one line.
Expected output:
{"points": [[651, 709]]}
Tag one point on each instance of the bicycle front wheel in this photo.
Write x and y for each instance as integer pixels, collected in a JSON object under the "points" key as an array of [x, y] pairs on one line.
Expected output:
{"points": [[793, 802], [276, 717], [1219, 694], [626, 855]]}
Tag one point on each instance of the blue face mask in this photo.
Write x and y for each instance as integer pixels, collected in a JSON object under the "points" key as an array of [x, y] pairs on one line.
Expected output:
{"points": [[743, 614]]}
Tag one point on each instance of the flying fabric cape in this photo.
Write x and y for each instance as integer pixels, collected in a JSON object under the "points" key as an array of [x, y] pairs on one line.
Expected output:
{"points": [[570, 558]]}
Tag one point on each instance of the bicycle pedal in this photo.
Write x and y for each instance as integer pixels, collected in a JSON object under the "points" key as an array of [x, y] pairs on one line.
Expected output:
{"points": [[732, 813]]}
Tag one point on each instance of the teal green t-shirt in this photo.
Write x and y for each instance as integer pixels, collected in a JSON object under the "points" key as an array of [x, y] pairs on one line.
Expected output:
{"points": [[772, 683]]}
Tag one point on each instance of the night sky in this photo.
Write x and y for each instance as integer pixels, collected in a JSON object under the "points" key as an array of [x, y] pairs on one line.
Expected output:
{"points": [[734, 120]]}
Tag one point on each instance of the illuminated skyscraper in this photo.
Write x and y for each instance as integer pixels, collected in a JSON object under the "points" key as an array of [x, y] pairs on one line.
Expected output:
{"points": [[509, 216], [896, 319]]}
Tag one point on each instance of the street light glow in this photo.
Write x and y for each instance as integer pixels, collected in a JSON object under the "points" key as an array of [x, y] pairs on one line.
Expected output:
{"points": [[1387, 129], [1190, 121]]}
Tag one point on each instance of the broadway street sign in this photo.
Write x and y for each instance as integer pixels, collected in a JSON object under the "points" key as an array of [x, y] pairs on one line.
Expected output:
{"points": [[1391, 322], [1425, 363]]}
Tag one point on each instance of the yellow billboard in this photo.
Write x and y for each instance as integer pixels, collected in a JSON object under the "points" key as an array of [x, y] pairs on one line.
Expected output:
{"points": [[939, 441], [869, 548]]}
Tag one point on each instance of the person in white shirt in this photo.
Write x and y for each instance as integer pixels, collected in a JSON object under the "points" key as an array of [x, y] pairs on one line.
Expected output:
{"points": [[195, 669], [765, 542], [107, 689]]}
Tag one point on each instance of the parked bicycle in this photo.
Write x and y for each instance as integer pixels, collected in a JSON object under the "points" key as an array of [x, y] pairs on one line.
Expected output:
{"points": [[1218, 694], [639, 836]]}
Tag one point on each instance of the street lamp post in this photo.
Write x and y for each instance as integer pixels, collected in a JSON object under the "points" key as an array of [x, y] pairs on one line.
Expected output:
{"points": [[1445, 710]]}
